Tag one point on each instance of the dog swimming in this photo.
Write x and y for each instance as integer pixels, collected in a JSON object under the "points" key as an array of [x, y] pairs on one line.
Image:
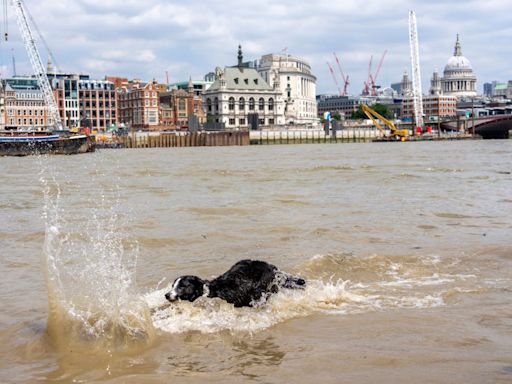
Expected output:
{"points": [[245, 284]]}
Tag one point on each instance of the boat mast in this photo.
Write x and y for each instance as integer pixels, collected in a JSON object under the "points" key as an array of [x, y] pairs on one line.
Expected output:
{"points": [[37, 65]]}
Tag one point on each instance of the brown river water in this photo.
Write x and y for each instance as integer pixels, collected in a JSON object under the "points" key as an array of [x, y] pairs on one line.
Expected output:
{"points": [[406, 248]]}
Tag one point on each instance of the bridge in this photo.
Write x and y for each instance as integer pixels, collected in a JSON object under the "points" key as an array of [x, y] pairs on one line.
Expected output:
{"points": [[489, 127]]}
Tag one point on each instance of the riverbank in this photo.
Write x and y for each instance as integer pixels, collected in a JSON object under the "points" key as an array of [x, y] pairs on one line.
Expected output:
{"points": [[263, 137]]}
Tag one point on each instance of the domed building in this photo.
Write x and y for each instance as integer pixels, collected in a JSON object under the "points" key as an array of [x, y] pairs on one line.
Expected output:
{"points": [[458, 77]]}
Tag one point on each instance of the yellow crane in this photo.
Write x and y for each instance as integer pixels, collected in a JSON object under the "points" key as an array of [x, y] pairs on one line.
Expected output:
{"points": [[399, 134]]}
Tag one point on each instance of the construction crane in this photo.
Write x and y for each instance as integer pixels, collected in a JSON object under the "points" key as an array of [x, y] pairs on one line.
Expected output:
{"points": [[416, 73], [398, 134], [373, 78], [344, 78], [367, 83], [334, 77], [37, 64], [370, 85]]}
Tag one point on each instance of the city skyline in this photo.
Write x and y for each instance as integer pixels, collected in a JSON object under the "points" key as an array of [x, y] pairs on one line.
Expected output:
{"points": [[148, 39]]}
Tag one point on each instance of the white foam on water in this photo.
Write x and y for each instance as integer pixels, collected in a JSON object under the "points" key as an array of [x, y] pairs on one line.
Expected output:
{"points": [[213, 315], [392, 283]]}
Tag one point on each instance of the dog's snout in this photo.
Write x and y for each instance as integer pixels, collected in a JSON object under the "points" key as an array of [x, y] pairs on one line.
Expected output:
{"points": [[168, 296]]}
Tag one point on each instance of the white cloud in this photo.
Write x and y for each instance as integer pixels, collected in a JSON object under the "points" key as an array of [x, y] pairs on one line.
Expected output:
{"points": [[146, 38]]}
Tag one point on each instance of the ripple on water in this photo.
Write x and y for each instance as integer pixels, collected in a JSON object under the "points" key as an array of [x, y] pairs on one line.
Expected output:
{"points": [[337, 285]]}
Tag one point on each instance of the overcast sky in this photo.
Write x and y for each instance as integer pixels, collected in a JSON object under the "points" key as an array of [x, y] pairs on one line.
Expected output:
{"points": [[144, 39]]}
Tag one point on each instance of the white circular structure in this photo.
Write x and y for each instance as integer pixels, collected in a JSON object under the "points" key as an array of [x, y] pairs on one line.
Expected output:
{"points": [[458, 78]]}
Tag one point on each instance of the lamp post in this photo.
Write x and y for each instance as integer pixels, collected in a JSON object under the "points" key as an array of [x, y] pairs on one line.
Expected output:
{"points": [[288, 100], [473, 116]]}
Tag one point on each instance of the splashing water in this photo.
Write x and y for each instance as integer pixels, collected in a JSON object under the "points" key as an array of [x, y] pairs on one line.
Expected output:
{"points": [[90, 266], [337, 285]]}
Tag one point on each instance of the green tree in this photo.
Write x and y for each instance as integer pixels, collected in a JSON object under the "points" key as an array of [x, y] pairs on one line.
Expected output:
{"points": [[381, 109], [336, 116]]}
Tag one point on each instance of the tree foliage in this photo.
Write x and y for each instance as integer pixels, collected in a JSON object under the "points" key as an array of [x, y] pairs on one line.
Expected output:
{"points": [[381, 109]]}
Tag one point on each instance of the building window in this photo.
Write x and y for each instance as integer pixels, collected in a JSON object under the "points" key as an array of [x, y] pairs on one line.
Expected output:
{"points": [[231, 121], [271, 121], [251, 104], [261, 104], [241, 121], [208, 105], [241, 104], [181, 105], [216, 104], [271, 104], [232, 104]]}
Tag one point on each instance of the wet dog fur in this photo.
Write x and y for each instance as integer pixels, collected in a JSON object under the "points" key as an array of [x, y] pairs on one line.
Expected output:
{"points": [[244, 284]]}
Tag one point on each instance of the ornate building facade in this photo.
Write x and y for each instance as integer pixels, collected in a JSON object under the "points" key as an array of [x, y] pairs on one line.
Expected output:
{"points": [[239, 94], [23, 105], [296, 82], [177, 105], [458, 77], [139, 105]]}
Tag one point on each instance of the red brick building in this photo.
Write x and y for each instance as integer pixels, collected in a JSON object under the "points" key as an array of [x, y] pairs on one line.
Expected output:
{"points": [[177, 105], [434, 107], [138, 105]]}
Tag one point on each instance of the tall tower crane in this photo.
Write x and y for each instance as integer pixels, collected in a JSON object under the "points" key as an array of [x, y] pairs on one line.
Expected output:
{"points": [[344, 78], [373, 78], [368, 82], [334, 77], [37, 64], [416, 73]]}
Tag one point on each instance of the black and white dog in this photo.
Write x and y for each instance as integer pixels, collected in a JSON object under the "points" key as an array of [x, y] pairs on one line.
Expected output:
{"points": [[245, 284]]}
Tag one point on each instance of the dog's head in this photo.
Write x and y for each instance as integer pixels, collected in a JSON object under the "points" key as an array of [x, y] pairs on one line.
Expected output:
{"points": [[186, 288]]}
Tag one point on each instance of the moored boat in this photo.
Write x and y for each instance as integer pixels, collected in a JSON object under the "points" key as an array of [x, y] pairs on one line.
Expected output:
{"points": [[23, 144]]}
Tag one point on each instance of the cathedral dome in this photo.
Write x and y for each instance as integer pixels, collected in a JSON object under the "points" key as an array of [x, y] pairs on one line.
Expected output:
{"points": [[459, 79], [458, 63]]}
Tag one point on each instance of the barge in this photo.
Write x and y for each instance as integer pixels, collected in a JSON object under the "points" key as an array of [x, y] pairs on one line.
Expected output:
{"points": [[25, 144]]}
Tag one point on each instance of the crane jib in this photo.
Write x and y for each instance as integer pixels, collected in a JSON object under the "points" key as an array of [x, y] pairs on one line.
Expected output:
{"points": [[37, 65]]}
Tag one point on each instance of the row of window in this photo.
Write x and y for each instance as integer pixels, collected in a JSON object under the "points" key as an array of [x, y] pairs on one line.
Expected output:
{"points": [[241, 104], [101, 114], [129, 104], [23, 112], [25, 103], [100, 105], [30, 96], [137, 95], [96, 86], [26, 121], [242, 121]]}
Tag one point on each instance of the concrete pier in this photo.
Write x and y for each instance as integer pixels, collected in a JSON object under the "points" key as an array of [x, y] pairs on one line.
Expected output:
{"points": [[313, 136], [184, 139]]}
